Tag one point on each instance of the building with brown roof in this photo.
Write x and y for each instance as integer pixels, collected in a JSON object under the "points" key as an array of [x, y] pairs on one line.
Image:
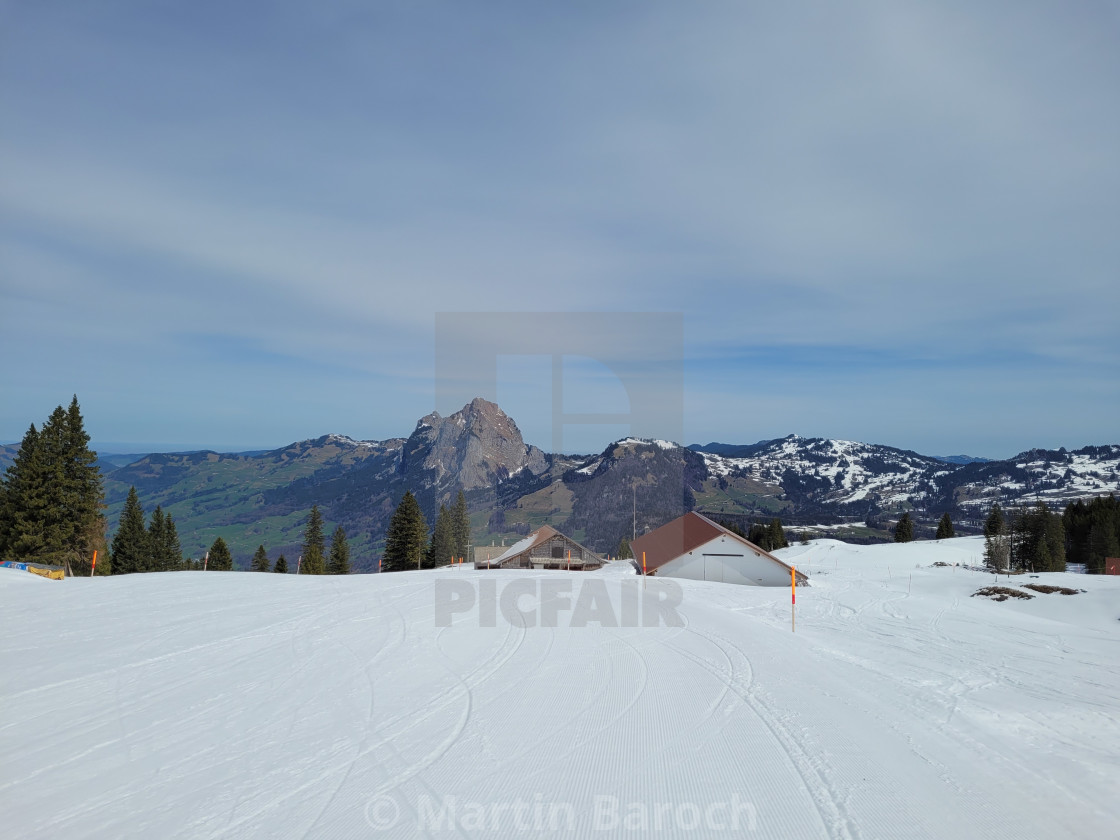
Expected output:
{"points": [[545, 548], [694, 547]]}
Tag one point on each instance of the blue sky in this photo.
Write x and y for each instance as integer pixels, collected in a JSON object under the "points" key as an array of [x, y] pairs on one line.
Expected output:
{"points": [[231, 225]]}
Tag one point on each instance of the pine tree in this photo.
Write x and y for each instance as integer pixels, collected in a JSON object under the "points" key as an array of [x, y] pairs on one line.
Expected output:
{"points": [[171, 550], [997, 548], [220, 558], [407, 536], [442, 547], [24, 491], [155, 561], [995, 522], [339, 562], [904, 530], [259, 563], [52, 499], [130, 544], [777, 535], [281, 567], [624, 551], [84, 493], [759, 535], [945, 527], [460, 528], [314, 561]]}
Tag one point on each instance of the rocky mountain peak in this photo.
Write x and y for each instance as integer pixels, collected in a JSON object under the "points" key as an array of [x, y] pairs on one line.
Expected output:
{"points": [[475, 447]]}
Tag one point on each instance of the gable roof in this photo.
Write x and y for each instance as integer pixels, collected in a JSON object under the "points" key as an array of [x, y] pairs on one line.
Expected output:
{"points": [[687, 533], [542, 534], [539, 536]]}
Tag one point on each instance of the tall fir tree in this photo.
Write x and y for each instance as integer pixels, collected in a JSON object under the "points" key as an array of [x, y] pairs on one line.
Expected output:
{"points": [[220, 558], [945, 527], [997, 545], [406, 538], [338, 562], [259, 563], [314, 545], [777, 535], [24, 495], [85, 493], [442, 547], [281, 567], [624, 551], [759, 534], [157, 536], [51, 502], [460, 528], [1092, 531], [171, 550], [130, 543], [904, 530]]}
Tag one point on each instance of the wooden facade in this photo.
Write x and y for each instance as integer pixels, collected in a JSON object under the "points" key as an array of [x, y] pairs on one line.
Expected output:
{"points": [[545, 548]]}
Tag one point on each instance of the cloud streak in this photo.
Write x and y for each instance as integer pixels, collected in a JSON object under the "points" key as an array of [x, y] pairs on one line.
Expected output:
{"points": [[826, 193]]}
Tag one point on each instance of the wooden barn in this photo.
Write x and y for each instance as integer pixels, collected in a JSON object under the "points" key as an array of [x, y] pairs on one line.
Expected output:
{"points": [[694, 547], [545, 548]]}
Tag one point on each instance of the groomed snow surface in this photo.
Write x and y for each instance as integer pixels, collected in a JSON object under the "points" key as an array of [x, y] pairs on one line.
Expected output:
{"points": [[260, 705]]}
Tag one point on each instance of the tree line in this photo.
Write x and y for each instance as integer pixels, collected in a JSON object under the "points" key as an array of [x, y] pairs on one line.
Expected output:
{"points": [[52, 499], [409, 545]]}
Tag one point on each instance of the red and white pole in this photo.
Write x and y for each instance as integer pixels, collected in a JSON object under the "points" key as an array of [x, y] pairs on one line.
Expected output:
{"points": [[793, 598], [298, 561], [205, 561], [93, 565]]}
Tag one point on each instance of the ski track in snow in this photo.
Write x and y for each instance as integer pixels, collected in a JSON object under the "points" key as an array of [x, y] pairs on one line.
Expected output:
{"points": [[241, 705]]}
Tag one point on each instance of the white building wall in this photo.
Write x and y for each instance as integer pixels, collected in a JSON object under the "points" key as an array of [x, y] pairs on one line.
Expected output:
{"points": [[727, 560]]}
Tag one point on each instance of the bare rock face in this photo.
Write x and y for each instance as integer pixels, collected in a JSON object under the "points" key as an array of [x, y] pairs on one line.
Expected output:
{"points": [[474, 447]]}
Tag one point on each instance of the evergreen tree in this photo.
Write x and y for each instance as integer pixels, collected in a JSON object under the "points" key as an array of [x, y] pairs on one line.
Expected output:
{"points": [[23, 497], [945, 527], [777, 536], [170, 550], [157, 536], [995, 523], [406, 538], [314, 560], [220, 558], [84, 496], [904, 530], [1038, 540], [460, 528], [1104, 538], [759, 535], [259, 563], [442, 547], [130, 544], [51, 498], [1092, 531], [624, 551], [281, 567], [339, 563], [997, 547]]}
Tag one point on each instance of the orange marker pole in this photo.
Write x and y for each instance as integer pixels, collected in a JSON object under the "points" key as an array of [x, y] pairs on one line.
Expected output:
{"points": [[93, 565], [643, 562], [793, 598]]}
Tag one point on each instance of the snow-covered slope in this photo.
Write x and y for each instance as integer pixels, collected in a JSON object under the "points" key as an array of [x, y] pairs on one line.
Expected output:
{"points": [[259, 705]]}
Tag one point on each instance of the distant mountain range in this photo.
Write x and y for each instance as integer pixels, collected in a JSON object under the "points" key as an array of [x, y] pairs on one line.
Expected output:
{"points": [[633, 485]]}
